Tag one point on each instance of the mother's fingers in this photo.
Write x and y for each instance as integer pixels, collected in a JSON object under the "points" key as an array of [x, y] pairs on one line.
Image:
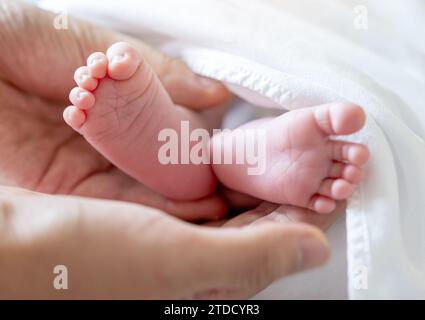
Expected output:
{"points": [[293, 214], [184, 87], [267, 212], [252, 216], [49, 73], [116, 185]]}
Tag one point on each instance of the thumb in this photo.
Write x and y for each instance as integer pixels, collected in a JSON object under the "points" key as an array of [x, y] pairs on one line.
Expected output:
{"points": [[251, 258]]}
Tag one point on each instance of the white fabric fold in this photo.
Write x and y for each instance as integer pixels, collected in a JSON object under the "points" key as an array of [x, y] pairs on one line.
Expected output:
{"points": [[301, 53]]}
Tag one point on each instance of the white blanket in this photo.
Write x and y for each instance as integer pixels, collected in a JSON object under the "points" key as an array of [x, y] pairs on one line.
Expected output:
{"points": [[300, 53]]}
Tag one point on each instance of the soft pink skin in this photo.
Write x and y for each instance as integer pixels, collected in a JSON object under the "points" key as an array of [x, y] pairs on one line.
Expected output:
{"points": [[122, 116], [120, 107], [304, 167]]}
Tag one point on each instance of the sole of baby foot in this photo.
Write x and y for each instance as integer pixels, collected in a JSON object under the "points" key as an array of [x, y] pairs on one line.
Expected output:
{"points": [[120, 107], [306, 167], [320, 170]]}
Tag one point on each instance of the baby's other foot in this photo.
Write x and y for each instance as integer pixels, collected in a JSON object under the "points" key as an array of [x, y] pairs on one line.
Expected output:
{"points": [[304, 166]]}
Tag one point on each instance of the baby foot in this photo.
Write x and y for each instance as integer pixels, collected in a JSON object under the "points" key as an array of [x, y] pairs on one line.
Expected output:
{"points": [[119, 107], [304, 166]]}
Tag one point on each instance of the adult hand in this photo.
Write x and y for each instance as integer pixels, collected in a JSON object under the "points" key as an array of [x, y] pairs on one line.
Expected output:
{"points": [[120, 250], [39, 152]]}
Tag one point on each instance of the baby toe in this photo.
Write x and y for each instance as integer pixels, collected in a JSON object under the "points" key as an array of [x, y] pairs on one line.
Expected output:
{"points": [[97, 64], [338, 189], [123, 61], [347, 118], [339, 118], [81, 98], [349, 172], [84, 80], [74, 117], [337, 170], [322, 204], [353, 153], [352, 174], [358, 154]]}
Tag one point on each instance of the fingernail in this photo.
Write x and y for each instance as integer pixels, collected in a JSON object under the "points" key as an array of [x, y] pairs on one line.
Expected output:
{"points": [[314, 251]]}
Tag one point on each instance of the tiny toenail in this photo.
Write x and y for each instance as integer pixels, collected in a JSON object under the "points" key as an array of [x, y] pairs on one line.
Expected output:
{"points": [[82, 94], [94, 61], [118, 58]]}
